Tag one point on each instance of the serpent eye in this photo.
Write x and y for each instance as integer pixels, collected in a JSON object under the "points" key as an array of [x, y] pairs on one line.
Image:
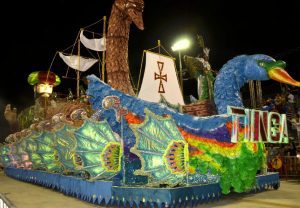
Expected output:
{"points": [[261, 63]]}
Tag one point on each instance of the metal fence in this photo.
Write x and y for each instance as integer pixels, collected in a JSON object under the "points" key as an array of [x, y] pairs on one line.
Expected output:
{"points": [[287, 166], [4, 203]]}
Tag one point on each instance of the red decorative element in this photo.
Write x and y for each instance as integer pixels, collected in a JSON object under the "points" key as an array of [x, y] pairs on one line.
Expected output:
{"points": [[133, 119], [255, 149], [46, 77], [188, 136], [161, 77], [175, 157], [229, 127], [194, 151]]}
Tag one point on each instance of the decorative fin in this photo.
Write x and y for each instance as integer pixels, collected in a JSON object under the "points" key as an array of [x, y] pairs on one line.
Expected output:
{"points": [[47, 150], [31, 149], [162, 150], [22, 154], [66, 144], [99, 149]]}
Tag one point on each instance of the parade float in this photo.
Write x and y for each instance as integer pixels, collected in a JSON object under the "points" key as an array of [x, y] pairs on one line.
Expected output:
{"points": [[113, 146]]}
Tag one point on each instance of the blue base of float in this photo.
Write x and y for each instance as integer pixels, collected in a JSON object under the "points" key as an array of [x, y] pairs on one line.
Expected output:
{"points": [[104, 193], [271, 180], [95, 192], [187, 196]]}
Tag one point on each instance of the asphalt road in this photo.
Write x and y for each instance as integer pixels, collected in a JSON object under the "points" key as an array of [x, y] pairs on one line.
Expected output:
{"points": [[26, 195]]}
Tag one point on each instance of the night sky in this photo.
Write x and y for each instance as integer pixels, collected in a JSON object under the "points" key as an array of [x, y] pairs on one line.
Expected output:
{"points": [[32, 31]]}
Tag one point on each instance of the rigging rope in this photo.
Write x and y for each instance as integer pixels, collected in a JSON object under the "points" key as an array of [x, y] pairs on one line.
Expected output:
{"points": [[100, 34], [75, 43], [52, 61], [138, 85], [93, 23]]}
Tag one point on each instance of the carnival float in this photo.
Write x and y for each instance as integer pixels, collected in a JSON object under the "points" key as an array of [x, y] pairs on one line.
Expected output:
{"points": [[115, 146]]}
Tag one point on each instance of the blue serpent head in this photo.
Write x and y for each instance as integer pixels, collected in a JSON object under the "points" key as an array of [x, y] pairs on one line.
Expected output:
{"points": [[241, 69], [263, 67], [253, 70]]}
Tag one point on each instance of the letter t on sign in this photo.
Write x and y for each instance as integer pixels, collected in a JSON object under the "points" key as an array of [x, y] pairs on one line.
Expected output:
{"points": [[240, 119]]}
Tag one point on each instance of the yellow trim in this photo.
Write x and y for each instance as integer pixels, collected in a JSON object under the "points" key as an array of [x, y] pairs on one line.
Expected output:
{"points": [[185, 156], [212, 162], [160, 54], [120, 156]]}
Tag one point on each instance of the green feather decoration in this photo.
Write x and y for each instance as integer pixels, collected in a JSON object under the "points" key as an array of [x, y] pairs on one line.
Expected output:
{"points": [[162, 150]]}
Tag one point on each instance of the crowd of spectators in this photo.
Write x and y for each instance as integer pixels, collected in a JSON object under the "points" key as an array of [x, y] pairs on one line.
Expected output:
{"points": [[289, 149], [284, 103], [287, 103]]}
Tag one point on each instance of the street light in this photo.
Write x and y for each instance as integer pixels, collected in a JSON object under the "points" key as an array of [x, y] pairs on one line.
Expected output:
{"points": [[179, 46]]}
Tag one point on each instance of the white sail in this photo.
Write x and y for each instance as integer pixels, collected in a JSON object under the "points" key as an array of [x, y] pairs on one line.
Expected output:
{"points": [[160, 79], [77, 62], [93, 44]]}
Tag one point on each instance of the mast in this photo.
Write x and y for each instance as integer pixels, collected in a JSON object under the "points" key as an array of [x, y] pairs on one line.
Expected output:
{"points": [[82, 64], [103, 52], [258, 94], [158, 43], [78, 72], [255, 94], [180, 71]]}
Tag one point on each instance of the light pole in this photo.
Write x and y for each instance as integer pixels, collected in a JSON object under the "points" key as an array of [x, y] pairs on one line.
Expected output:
{"points": [[179, 46]]}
